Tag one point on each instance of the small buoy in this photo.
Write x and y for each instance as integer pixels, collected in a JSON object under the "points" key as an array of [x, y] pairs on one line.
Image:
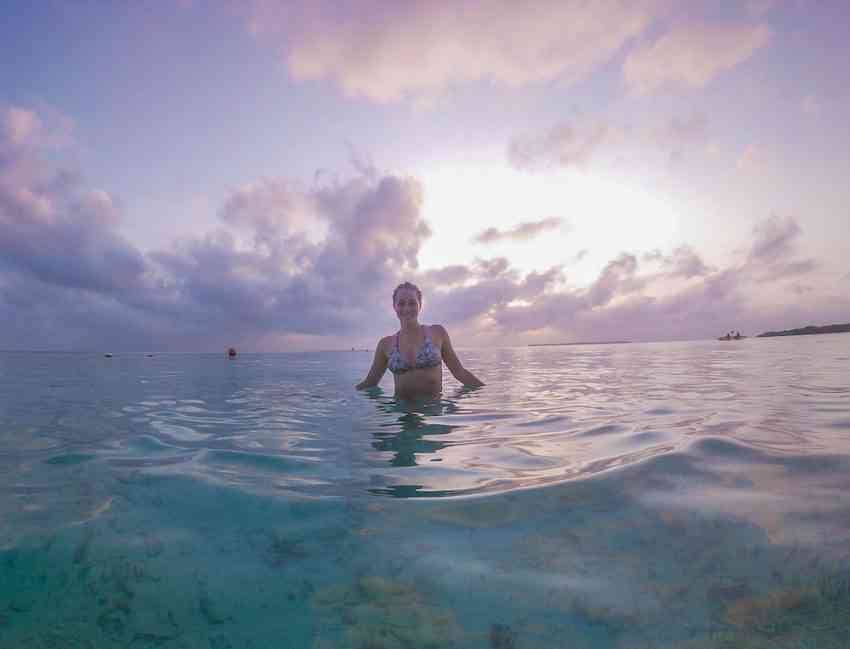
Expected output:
{"points": [[231, 352]]}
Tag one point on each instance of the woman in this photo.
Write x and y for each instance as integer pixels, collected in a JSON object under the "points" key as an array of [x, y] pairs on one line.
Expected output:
{"points": [[415, 355]]}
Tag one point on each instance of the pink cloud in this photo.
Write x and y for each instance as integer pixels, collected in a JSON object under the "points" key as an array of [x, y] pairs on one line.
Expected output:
{"points": [[416, 50], [685, 299], [391, 51], [23, 128], [20, 126], [52, 231], [692, 55]]}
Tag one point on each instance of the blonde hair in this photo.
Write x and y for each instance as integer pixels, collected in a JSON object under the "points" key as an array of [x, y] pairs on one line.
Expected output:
{"points": [[408, 286]]}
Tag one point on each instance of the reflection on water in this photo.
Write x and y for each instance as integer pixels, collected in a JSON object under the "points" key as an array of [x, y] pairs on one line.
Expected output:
{"points": [[410, 433], [689, 495], [409, 436]]}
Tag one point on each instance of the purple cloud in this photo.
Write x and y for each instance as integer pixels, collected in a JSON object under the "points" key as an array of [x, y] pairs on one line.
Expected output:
{"points": [[775, 242], [314, 261], [521, 232], [563, 145], [465, 303], [619, 275], [319, 263], [774, 238], [50, 228], [373, 231], [790, 269], [448, 275], [682, 262], [624, 303], [568, 144]]}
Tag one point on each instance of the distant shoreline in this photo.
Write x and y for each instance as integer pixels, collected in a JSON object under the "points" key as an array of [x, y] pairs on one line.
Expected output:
{"points": [[808, 331], [601, 342]]}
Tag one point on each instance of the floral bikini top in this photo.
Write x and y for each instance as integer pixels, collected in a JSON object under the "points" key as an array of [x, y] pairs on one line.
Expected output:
{"points": [[427, 356]]}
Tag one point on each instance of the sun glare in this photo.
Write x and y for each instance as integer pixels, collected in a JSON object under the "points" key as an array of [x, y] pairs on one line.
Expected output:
{"points": [[599, 216]]}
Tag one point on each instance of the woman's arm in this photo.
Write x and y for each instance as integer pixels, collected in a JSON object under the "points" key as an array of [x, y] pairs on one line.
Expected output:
{"points": [[453, 362], [379, 366]]}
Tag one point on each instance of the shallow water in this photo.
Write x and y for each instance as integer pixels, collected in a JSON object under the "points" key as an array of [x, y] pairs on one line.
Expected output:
{"points": [[629, 496]]}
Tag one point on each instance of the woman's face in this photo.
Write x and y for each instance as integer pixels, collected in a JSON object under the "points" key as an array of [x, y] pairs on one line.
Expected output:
{"points": [[406, 304]]}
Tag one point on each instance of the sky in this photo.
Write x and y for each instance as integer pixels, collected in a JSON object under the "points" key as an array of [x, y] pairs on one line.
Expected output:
{"points": [[187, 175]]}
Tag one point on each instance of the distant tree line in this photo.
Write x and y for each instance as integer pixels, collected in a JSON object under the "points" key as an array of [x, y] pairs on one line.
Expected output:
{"points": [[804, 331]]}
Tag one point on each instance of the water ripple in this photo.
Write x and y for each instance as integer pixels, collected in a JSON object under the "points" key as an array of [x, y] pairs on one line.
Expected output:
{"points": [[547, 415]]}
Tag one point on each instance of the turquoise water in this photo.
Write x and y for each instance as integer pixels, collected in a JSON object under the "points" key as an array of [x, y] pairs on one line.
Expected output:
{"points": [[683, 495]]}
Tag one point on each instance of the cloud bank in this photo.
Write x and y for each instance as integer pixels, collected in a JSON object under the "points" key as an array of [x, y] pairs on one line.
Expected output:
{"points": [[293, 267]]}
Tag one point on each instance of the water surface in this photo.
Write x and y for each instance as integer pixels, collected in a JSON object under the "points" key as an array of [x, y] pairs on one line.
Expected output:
{"points": [[631, 496]]}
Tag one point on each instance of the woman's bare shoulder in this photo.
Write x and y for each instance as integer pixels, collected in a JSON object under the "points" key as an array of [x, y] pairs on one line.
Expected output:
{"points": [[439, 331]]}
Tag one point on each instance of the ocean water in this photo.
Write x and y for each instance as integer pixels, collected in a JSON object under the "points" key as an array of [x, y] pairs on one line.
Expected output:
{"points": [[640, 496]]}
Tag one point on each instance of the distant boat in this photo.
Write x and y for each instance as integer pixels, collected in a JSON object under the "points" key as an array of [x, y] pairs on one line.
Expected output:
{"points": [[729, 336], [108, 355], [231, 352]]}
